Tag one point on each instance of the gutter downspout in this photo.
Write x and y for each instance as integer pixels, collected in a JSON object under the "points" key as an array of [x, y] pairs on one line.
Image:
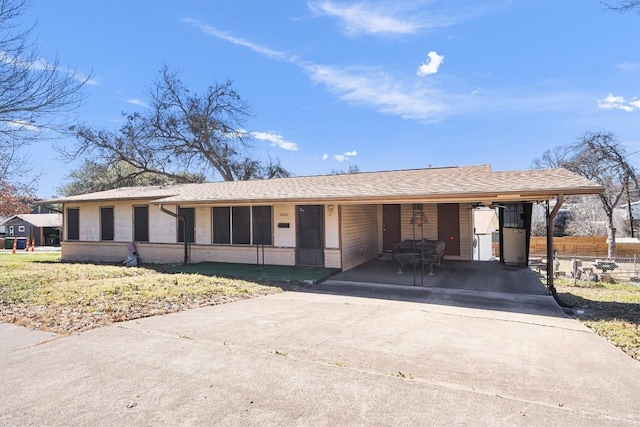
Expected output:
{"points": [[550, 217], [184, 232]]}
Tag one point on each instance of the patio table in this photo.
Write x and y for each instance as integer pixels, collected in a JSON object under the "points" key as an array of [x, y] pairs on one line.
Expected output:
{"points": [[605, 265]]}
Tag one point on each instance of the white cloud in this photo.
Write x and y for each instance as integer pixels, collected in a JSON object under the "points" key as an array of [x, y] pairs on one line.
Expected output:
{"points": [[275, 54], [366, 18], [42, 64], [345, 156], [358, 86], [612, 102], [380, 91], [138, 102], [389, 17], [629, 66], [22, 125], [431, 65], [325, 156], [276, 140], [422, 101]]}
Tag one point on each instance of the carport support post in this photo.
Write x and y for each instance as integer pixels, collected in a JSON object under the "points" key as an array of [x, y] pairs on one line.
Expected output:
{"points": [[550, 217]]}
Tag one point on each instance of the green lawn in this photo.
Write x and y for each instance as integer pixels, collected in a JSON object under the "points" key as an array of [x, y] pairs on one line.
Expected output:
{"points": [[39, 291]]}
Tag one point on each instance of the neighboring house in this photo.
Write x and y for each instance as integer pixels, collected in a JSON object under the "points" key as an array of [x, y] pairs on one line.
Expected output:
{"points": [[485, 223], [337, 221], [623, 209], [2, 227], [46, 229]]}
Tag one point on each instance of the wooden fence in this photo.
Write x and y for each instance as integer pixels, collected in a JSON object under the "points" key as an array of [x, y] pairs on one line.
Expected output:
{"points": [[582, 246]]}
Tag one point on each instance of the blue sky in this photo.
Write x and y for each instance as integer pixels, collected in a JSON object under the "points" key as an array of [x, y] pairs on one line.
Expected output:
{"points": [[379, 84]]}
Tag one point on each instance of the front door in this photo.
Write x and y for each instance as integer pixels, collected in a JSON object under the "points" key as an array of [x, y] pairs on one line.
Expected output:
{"points": [[449, 227], [310, 247], [390, 226]]}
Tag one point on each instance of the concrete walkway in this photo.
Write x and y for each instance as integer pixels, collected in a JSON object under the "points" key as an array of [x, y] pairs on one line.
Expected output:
{"points": [[313, 358]]}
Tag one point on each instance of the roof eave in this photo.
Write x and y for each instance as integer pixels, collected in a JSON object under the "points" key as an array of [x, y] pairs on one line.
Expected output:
{"points": [[502, 196]]}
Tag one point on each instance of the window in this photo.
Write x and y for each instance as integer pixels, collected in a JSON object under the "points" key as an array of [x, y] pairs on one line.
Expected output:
{"points": [[73, 224], [189, 215], [21, 228], [221, 225], [106, 223], [141, 223], [11, 230], [243, 225], [513, 215], [262, 223]]}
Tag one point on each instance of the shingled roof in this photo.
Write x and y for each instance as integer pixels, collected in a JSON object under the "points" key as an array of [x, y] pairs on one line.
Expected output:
{"points": [[468, 183], [38, 220]]}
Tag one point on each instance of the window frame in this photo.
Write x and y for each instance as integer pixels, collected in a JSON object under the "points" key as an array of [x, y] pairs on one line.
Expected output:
{"points": [[241, 225], [135, 226], [256, 233], [108, 233], [190, 232], [232, 230], [226, 236], [76, 223]]}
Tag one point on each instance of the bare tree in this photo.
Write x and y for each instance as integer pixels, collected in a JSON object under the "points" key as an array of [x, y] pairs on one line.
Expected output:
{"points": [[350, 169], [181, 135], [601, 158], [35, 94], [538, 220], [93, 176], [587, 219], [624, 6]]}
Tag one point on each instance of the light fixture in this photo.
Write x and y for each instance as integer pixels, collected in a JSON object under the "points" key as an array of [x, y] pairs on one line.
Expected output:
{"points": [[330, 208], [418, 218]]}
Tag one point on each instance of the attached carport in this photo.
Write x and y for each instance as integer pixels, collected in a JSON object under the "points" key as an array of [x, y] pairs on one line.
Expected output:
{"points": [[465, 275], [440, 208]]}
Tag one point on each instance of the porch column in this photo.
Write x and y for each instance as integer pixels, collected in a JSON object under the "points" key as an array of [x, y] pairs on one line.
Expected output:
{"points": [[550, 267]]}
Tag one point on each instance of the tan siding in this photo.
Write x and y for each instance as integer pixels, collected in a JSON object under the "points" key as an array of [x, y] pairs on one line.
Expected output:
{"points": [[89, 221], [123, 222], [332, 227], [162, 227], [430, 231], [203, 225], [466, 232], [360, 229], [431, 228], [284, 237]]}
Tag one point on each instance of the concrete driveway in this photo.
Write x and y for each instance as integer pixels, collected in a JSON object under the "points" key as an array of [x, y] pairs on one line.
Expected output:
{"points": [[315, 358]]}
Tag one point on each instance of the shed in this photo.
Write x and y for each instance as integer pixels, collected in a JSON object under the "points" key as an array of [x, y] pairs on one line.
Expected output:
{"points": [[44, 228]]}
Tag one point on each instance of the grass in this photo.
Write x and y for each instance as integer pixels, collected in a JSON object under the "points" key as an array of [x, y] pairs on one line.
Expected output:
{"points": [[611, 310], [39, 291], [258, 272]]}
